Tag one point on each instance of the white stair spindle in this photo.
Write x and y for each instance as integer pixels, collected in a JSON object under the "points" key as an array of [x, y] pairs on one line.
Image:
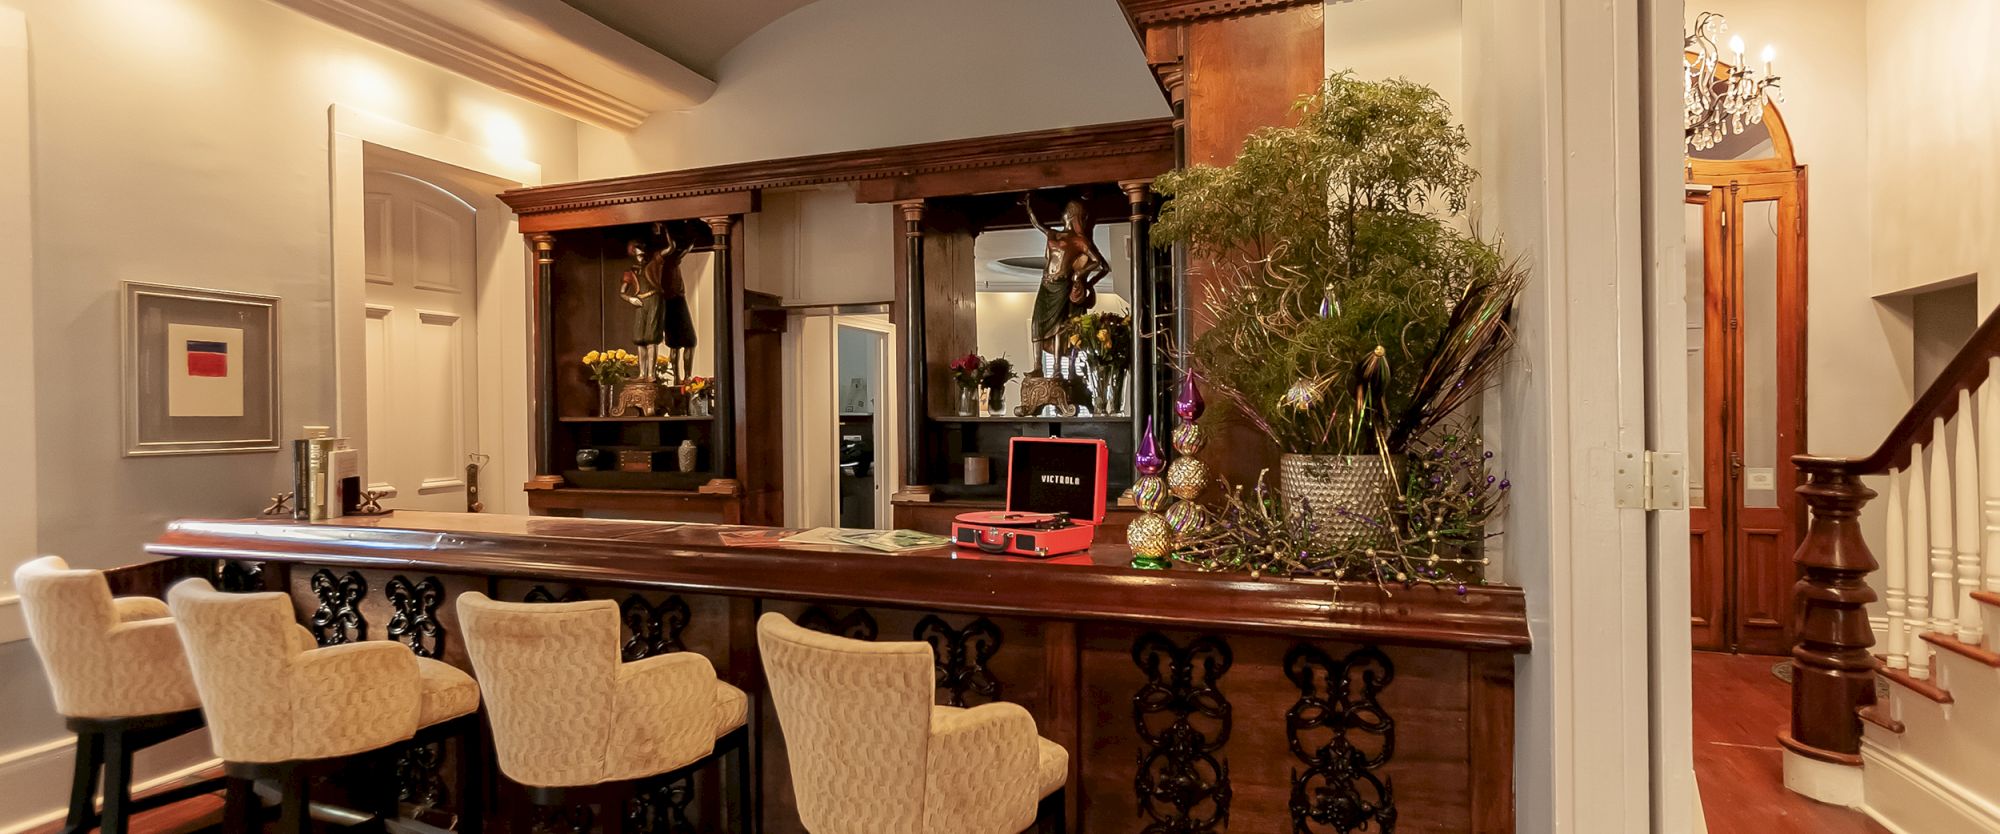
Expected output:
{"points": [[1965, 516], [1944, 585], [1989, 470], [1916, 549], [1895, 576]]}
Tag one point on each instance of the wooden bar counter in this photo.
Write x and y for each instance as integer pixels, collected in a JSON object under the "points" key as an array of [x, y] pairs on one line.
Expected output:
{"points": [[1189, 702]]}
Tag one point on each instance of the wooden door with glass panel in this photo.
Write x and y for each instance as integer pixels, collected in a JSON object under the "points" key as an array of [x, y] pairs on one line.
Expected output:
{"points": [[1746, 360]]}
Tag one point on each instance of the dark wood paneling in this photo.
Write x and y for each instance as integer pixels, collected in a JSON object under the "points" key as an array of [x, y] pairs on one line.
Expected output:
{"points": [[672, 208], [1139, 143]]}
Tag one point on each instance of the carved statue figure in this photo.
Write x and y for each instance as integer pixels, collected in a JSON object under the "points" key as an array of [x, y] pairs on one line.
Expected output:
{"points": [[1069, 278], [654, 286]]}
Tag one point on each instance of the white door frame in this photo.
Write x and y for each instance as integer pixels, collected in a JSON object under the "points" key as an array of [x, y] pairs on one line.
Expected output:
{"points": [[888, 457], [505, 427], [18, 519]]}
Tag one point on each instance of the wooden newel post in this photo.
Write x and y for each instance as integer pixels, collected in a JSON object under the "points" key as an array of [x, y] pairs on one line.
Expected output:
{"points": [[1833, 673]]}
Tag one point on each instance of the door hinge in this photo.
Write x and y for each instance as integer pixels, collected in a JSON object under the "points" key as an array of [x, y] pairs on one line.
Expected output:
{"points": [[1651, 481]]}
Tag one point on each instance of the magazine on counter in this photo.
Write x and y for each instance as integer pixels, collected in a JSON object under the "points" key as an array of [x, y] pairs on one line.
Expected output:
{"points": [[887, 541]]}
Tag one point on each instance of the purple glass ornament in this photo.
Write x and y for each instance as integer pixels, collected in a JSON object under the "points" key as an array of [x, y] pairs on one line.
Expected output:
{"points": [[1148, 460], [1188, 406]]}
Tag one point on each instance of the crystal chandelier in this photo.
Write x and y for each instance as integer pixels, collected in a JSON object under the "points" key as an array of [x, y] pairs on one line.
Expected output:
{"points": [[1722, 98]]}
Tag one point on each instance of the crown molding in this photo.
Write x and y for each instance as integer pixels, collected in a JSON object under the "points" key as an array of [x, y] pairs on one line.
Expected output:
{"points": [[582, 69], [1148, 139], [1149, 13]]}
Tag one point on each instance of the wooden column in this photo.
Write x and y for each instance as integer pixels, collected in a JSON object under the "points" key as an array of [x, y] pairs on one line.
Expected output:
{"points": [[730, 405], [541, 389], [1833, 673], [915, 364], [1149, 366]]}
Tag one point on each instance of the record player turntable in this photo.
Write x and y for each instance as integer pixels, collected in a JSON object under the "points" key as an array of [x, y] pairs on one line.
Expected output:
{"points": [[1055, 500]]}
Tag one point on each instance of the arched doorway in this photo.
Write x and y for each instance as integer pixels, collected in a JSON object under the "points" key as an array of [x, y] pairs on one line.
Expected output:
{"points": [[1746, 297]]}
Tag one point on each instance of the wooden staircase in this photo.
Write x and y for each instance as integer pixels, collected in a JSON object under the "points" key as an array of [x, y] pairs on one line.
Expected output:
{"points": [[1927, 757]]}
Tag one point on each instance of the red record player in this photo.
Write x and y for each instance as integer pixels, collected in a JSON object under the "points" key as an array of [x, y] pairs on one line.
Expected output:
{"points": [[1055, 500]]}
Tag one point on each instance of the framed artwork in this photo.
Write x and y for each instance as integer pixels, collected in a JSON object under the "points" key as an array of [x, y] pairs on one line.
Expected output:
{"points": [[201, 371]]}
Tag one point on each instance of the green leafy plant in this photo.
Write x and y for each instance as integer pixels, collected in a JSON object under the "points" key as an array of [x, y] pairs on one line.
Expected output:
{"points": [[1347, 313]]}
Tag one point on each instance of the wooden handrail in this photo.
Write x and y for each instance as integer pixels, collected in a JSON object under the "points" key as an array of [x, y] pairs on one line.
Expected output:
{"points": [[1833, 669], [1966, 372]]}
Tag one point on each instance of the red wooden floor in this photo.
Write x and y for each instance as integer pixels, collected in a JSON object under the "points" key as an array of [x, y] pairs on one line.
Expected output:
{"points": [[1738, 708]]}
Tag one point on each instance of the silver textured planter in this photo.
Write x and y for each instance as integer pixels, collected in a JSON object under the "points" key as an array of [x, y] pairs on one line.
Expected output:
{"points": [[1337, 493]]}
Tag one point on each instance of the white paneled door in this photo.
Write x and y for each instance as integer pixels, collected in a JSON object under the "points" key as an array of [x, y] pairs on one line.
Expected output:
{"points": [[422, 421]]}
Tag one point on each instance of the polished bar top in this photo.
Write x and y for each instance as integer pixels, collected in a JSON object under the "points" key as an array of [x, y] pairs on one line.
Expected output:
{"points": [[1093, 586]]}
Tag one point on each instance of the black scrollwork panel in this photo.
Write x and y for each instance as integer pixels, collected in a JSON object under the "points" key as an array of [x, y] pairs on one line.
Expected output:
{"points": [[239, 577], [961, 657], [556, 819], [541, 593], [1183, 720], [420, 775], [857, 625], [661, 808], [1341, 789], [338, 618], [653, 629], [415, 621]]}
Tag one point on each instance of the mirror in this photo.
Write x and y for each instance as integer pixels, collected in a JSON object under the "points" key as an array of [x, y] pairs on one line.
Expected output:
{"points": [[1007, 274]]}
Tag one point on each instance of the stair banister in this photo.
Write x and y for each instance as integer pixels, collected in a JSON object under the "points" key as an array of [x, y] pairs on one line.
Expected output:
{"points": [[1833, 670]]}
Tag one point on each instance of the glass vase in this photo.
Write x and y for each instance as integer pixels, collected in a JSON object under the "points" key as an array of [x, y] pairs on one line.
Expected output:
{"points": [[996, 400], [968, 400], [607, 395]]}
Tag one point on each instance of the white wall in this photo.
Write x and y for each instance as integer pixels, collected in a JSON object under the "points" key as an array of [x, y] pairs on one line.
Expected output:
{"points": [[1933, 130], [186, 142], [847, 74], [1421, 40], [818, 246]]}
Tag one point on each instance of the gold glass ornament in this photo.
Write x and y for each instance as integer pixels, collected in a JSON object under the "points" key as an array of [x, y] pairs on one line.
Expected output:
{"points": [[1189, 438], [1186, 518], [1151, 540], [1187, 477]]}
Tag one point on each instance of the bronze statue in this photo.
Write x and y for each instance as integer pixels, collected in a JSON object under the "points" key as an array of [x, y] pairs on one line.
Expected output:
{"points": [[654, 285], [1069, 280]]}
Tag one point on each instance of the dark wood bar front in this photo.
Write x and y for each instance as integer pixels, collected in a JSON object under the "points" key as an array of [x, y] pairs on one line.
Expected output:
{"points": [[1188, 701]]}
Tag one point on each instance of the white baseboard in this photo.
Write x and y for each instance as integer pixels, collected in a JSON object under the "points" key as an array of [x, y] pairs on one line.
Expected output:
{"points": [[1908, 797], [13, 626], [36, 778]]}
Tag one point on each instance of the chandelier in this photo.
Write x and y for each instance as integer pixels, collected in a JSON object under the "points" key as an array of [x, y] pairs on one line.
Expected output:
{"points": [[1722, 98]]}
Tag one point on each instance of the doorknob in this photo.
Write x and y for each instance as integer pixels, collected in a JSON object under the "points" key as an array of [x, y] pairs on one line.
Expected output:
{"points": [[1735, 465]]}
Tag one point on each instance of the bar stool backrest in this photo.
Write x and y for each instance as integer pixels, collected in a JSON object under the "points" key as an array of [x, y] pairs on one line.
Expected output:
{"points": [[270, 694], [105, 658], [547, 673], [856, 721]]}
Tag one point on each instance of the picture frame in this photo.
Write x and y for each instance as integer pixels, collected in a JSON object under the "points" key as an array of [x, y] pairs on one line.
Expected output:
{"points": [[200, 370]]}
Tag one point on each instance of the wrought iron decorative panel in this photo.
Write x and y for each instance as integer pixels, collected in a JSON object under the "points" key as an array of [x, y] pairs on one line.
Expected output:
{"points": [[857, 625], [338, 618], [415, 621], [1341, 789], [1183, 720], [541, 593], [239, 577], [653, 629], [961, 657]]}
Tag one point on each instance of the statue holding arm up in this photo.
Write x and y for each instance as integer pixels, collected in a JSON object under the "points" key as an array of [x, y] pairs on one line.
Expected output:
{"points": [[653, 285], [1069, 278]]}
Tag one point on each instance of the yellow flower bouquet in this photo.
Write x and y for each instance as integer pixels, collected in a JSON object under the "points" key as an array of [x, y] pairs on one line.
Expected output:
{"points": [[610, 367]]}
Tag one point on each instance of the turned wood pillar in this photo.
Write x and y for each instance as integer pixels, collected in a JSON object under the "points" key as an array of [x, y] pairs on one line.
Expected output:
{"points": [[1148, 368], [541, 400], [1833, 673], [915, 364], [728, 349]]}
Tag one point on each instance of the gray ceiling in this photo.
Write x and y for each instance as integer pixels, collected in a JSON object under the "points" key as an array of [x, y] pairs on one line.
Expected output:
{"points": [[696, 33]]}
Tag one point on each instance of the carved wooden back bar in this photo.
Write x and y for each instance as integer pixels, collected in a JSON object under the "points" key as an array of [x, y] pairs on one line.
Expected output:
{"points": [[1834, 667]]}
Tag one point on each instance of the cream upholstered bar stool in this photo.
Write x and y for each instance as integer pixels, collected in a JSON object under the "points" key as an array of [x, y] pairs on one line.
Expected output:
{"points": [[871, 754], [281, 708], [576, 725], [120, 681]]}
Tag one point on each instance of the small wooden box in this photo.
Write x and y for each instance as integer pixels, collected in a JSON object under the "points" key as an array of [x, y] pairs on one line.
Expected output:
{"points": [[635, 460]]}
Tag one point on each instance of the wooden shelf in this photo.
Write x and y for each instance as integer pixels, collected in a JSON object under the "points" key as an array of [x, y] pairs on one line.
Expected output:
{"points": [[1122, 418], [677, 418]]}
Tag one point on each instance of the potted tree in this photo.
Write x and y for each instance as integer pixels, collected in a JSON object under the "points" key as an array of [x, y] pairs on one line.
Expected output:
{"points": [[1349, 312]]}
